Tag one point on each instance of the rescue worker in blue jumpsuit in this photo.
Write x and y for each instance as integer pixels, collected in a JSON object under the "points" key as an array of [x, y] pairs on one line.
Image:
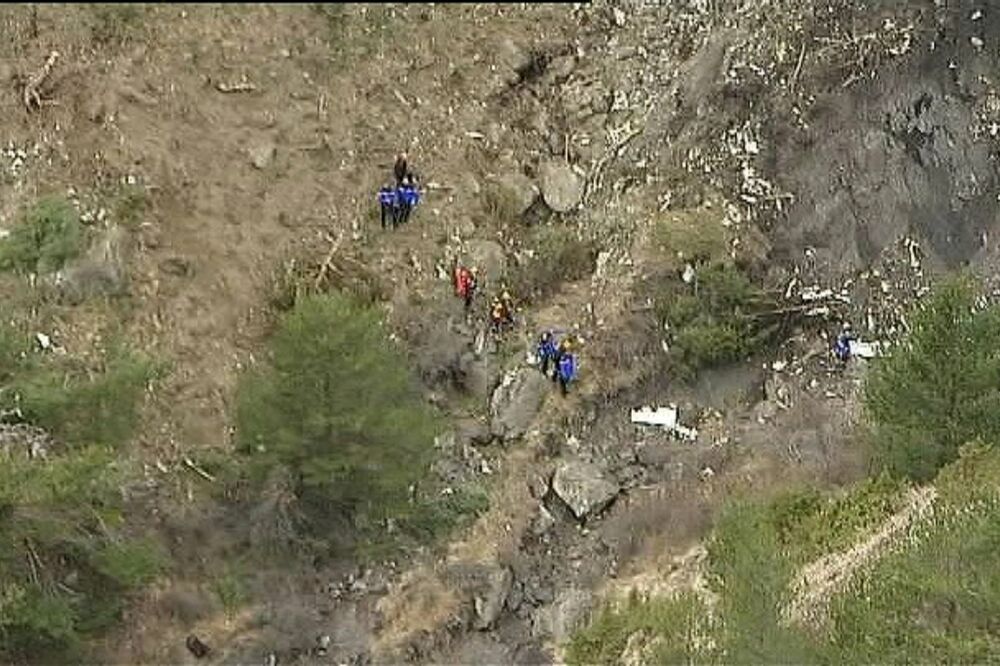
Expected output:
{"points": [[408, 196], [388, 200], [567, 371], [842, 347], [547, 353]]}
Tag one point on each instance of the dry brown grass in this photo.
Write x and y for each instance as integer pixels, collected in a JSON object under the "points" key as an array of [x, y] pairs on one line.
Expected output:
{"points": [[420, 602]]}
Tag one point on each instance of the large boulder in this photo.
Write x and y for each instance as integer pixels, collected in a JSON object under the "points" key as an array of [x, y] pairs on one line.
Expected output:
{"points": [[562, 189], [488, 602], [522, 191], [489, 257], [563, 616], [100, 272], [583, 487], [516, 402], [515, 59]]}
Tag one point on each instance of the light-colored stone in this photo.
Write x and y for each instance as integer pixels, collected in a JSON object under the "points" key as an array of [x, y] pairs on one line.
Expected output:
{"points": [[583, 487], [489, 604], [516, 402], [562, 189], [262, 154]]}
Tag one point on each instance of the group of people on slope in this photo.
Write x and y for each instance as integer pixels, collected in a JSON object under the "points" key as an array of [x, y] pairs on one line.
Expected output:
{"points": [[501, 307], [398, 200], [559, 356]]}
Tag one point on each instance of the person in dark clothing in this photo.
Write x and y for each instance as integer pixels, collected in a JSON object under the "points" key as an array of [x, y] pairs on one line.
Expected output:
{"points": [[388, 200], [400, 169], [408, 197], [842, 347], [567, 371], [548, 353]]}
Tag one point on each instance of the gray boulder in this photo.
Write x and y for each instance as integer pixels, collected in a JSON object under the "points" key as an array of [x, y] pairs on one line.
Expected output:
{"points": [[262, 154], [516, 402], [583, 487], [488, 603], [522, 191], [100, 272], [516, 59], [489, 257], [563, 616], [562, 189]]}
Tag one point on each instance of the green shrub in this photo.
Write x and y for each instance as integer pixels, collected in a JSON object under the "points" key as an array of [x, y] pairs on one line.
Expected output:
{"points": [[46, 237], [715, 321], [65, 567], [939, 389], [671, 622], [337, 406], [230, 590], [80, 409]]}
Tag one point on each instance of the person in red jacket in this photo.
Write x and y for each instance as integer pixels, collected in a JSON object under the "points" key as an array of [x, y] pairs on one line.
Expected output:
{"points": [[465, 284]]}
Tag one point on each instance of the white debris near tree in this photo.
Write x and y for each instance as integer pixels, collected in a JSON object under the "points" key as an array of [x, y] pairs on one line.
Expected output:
{"points": [[864, 349]]}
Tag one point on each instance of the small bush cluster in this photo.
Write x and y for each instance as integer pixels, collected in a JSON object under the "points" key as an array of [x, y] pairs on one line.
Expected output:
{"points": [[715, 320], [48, 234]]}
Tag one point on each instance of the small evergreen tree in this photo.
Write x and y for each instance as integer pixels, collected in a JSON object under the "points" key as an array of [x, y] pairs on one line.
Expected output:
{"points": [[941, 388], [337, 406]]}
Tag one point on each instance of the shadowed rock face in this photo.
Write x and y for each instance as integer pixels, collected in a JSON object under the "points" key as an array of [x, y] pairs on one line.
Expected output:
{"points": [[901, 154], [874, 169]]}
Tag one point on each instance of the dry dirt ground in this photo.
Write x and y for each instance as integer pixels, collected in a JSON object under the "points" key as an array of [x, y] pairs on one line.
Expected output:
{"points": [[656, 107]]}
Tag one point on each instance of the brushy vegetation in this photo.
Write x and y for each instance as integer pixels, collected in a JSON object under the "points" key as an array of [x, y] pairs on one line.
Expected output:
{"points": [[66, 564], [337, 410], [939, 389], [48, 234], [558, 256], [718, 319], [81, 407]]}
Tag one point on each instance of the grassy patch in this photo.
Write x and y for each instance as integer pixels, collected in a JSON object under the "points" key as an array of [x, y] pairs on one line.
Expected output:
{"points": [[694, 235], [80, 406], [810, 524], [662, 630], [48, 234], [129, 203]]}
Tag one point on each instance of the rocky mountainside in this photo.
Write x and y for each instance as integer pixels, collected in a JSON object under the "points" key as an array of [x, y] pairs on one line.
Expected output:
{"points": [[837, 154]]}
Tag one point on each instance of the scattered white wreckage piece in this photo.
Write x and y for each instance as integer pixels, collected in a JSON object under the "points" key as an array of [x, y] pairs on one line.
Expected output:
{"points": [[864, 349], [44, 341], [666, 418], [688, 274]]}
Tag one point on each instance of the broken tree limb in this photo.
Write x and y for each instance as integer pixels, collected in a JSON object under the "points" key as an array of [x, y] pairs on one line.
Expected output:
{"points": [[325, 267], [31, 96], [198, 470]]}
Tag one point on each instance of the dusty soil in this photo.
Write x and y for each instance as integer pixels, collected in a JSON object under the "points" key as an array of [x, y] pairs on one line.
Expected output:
{"points": [[846, 152]]}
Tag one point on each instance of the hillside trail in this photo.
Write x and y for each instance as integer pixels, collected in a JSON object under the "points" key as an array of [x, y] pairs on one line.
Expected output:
{"points": [[818, 581]]}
